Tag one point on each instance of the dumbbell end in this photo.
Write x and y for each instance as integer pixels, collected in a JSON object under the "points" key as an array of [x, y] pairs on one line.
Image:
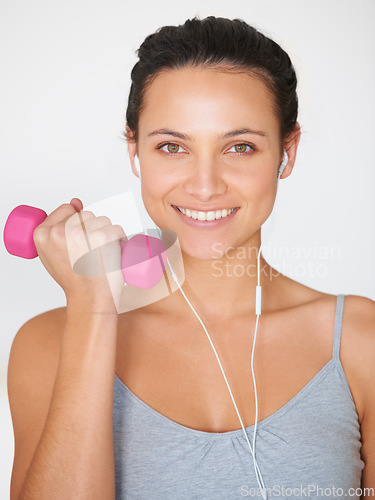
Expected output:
{"points": [[143, 261], [19, 229]]}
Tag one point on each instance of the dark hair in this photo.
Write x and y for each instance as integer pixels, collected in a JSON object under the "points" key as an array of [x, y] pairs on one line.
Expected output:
{"points": [[215, 42]]}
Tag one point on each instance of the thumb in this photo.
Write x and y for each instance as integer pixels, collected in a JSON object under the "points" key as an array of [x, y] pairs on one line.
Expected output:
{"points": [[77, 204]]}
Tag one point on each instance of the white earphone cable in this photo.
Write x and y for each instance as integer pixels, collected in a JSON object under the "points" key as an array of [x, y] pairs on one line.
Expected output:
{"points": [[257, 470], [252, 450], [258, 312]]}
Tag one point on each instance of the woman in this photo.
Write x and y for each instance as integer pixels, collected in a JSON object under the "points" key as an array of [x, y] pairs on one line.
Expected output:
{"points": [[134, 405]]}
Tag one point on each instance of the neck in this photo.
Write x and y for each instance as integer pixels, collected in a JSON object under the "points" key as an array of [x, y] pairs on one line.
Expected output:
{"points": [[224, 287]]}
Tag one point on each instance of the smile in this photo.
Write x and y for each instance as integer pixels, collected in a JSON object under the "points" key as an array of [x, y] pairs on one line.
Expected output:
{"points": [[206, 216], [211, 218]]}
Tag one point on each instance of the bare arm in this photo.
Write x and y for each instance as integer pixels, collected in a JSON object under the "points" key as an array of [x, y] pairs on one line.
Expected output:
{"points": [[367, 373], [358, 356], [61, 399], [63, 431]]}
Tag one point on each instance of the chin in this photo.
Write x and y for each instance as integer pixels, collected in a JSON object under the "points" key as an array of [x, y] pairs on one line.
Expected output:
{"points": [[204, 250], [201, 254]]}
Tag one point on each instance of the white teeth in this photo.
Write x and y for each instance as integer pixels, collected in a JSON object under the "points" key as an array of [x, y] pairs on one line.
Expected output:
{"points": [[206, 216]]}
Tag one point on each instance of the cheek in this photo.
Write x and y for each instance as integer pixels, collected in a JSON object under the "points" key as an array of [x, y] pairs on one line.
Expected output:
{"points": [[154, 190], [259, 193]]}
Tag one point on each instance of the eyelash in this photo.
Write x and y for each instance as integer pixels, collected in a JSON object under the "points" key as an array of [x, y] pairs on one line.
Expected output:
{"points": [[252, 148]]}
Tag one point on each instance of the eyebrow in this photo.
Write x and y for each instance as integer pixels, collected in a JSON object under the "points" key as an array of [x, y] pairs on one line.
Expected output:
{"points": [[232, 133]]}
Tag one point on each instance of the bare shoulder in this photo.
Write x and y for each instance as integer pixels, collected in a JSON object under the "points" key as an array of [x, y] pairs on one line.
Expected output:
{"points": [[357, 356], [357, 351], [358, 335], [32, 368], [36, 344], [357, 345], [358, 360], [292, 295], [362, 311]]}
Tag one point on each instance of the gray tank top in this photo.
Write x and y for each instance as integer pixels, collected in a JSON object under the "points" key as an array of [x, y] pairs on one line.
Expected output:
{"points": [[308, 448]]}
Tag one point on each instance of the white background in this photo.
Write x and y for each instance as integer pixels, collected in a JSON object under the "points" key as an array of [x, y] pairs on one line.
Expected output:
{"points": [[65, 78]]}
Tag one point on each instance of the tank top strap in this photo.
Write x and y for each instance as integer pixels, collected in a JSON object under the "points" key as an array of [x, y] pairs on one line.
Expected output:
{"points": [[337, 330]]}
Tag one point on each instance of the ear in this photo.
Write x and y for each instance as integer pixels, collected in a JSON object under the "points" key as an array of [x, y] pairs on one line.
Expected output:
{"points": [[291, 145], [132, 149]]}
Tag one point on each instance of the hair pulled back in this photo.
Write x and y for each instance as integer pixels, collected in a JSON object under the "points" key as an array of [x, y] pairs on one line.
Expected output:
{"points": [[219, 43]]}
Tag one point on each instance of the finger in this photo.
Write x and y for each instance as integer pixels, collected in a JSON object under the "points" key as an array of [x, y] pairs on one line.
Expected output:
{"points": [[103, 235], [60, 214], [81, 243], [76, 234], [80, 225], [60, 222], [77, 204], [105, 254], [121, 233], [92, 223], [78, 219]]}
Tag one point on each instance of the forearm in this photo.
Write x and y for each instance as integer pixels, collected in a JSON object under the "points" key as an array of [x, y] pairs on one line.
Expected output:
{"points": [[74, 457]]}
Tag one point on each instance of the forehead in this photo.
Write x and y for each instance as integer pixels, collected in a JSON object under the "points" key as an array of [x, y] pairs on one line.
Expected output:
{"points": [[196, 98]]}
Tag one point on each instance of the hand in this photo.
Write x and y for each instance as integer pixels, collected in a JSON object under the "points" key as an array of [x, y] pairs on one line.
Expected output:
{"points": [[67, 236]]}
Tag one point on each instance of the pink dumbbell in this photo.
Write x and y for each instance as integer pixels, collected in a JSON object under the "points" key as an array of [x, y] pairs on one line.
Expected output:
{"points": [[143, 257]]}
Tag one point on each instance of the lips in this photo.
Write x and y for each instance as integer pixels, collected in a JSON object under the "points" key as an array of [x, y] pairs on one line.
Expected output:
{"points": [[201, 224], [208, 215]]}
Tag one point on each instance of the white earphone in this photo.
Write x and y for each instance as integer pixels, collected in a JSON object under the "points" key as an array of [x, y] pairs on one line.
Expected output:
{"points": [[137, 165], [284, 163]]}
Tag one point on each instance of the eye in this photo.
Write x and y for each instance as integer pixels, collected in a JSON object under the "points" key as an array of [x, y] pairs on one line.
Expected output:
{"points": [[241, 148], [172, 148]]}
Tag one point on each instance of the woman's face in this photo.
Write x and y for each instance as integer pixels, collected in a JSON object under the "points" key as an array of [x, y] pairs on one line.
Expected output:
{"points": [[209, 140]]}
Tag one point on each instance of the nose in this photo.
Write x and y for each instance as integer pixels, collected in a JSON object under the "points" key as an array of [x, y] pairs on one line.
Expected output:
{"points": [[205, 180]]}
